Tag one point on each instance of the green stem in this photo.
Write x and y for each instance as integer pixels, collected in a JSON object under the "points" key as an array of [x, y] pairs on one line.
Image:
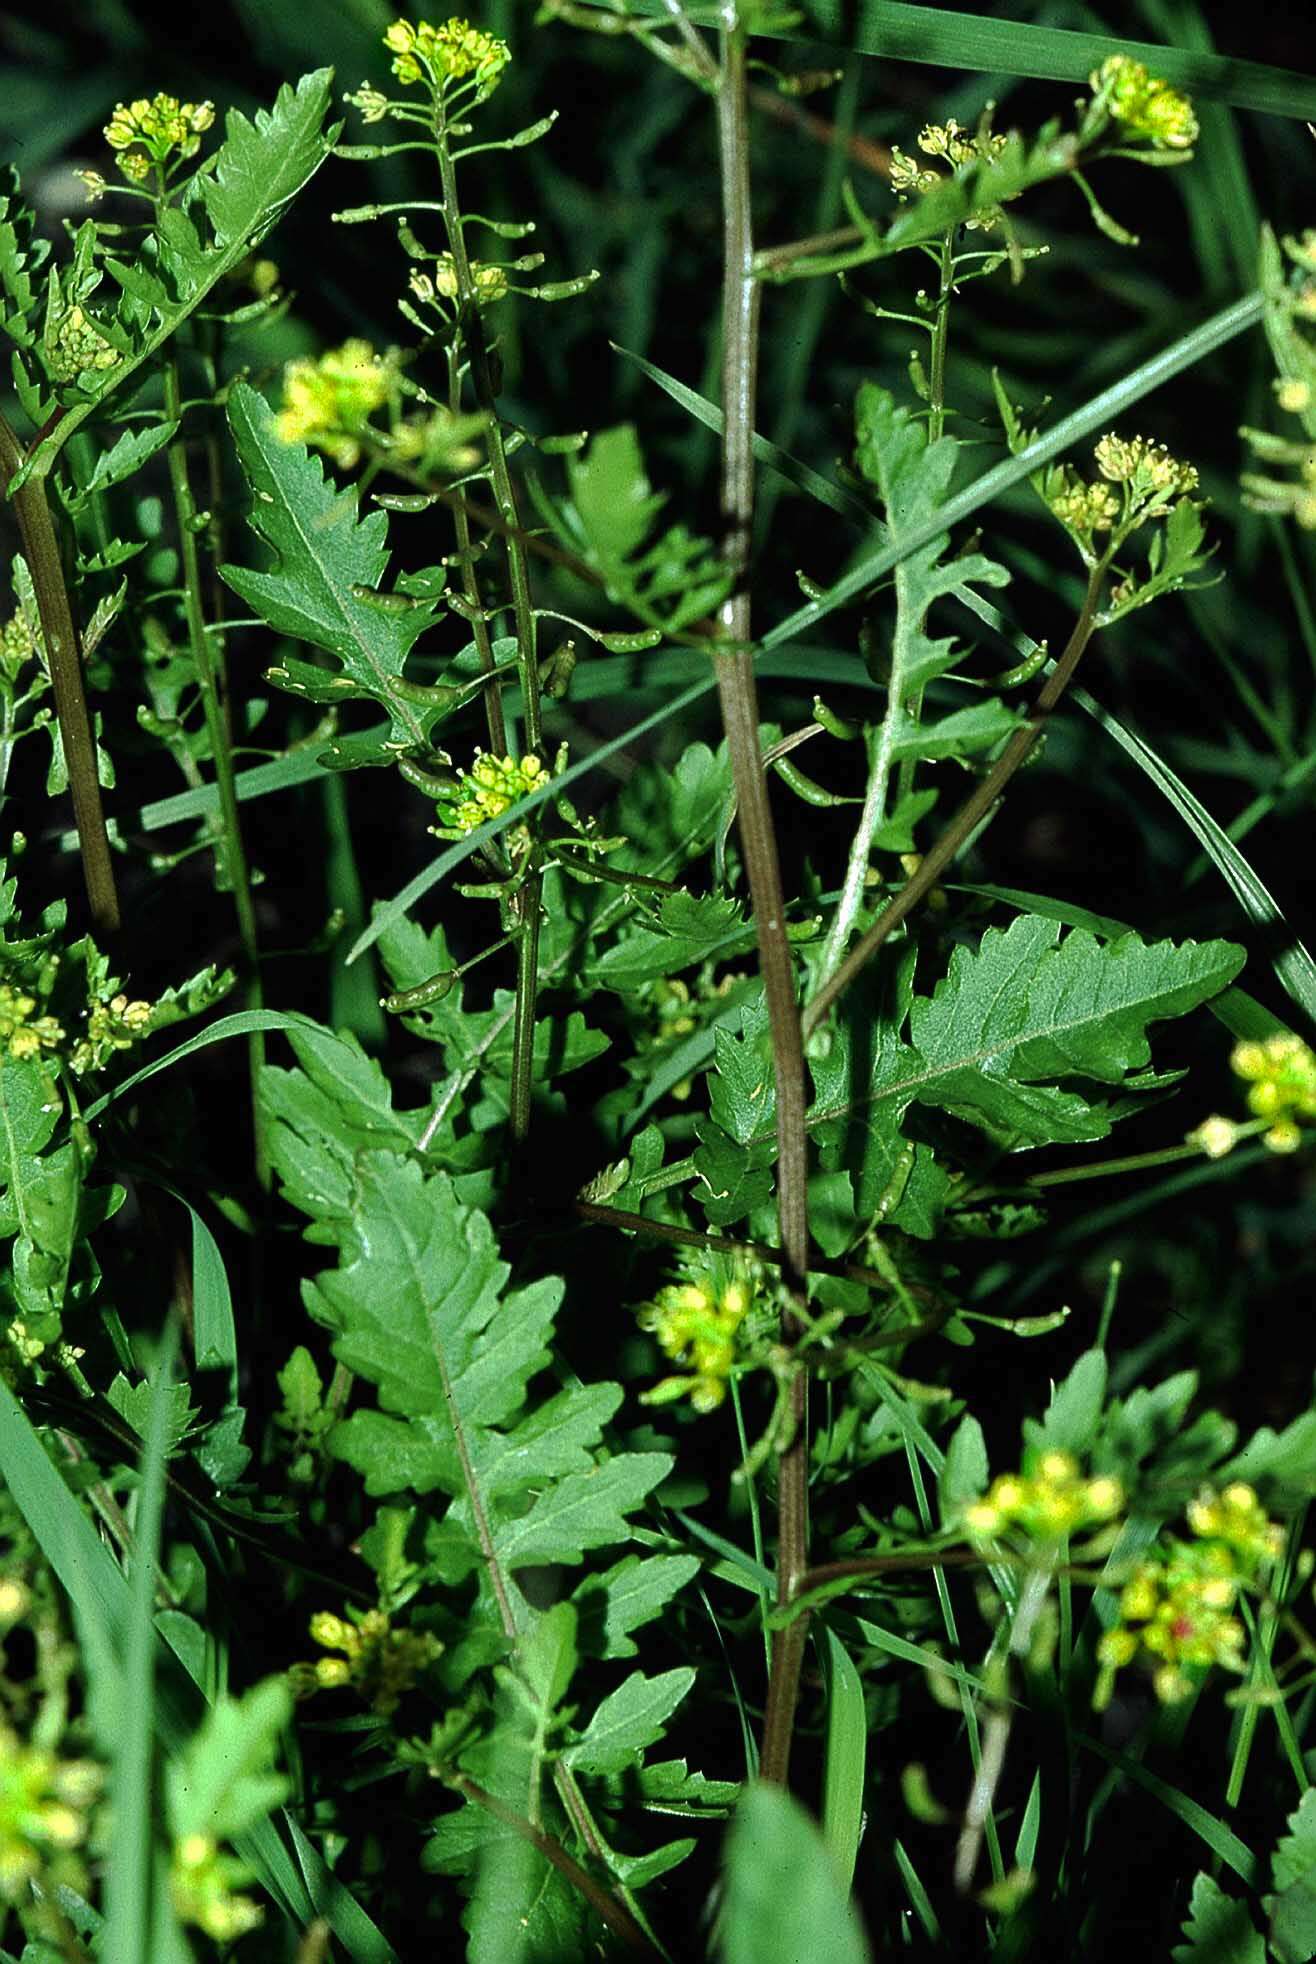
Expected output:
{"points": [[41, 550], [936, 429], [738, 700], [231, 856], [969, 816], [606, 1907], [493, 701], [523, 614]]}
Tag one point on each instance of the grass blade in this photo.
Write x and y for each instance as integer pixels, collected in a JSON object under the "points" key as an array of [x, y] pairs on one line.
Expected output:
{"points": [[1288, 956], [990, 45], [1098, 413], [134, 1918], [845, 1745]]}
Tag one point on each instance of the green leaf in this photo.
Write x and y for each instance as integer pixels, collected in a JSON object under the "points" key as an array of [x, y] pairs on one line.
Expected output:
{"points": [[123, 460], [686, 929], [1288, 1456], [630, 1593], [613, 499], [40, 1190], [322, 551], [742, 1094], [964, 1476], [734, 1179], [1292, 1908], [260, 167], [225, 1781], [1074, 1414], [418, 1308], [133, 1402], [668, 1786], [629, 1719], [784, 1897], [522, 1909], [20, 258], [913, 477], [1028, 1007], [843, 1770], [1219, 1929]]}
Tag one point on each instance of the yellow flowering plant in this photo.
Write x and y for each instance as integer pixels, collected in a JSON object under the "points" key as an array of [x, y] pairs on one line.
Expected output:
{"points": [[510, 1369]]}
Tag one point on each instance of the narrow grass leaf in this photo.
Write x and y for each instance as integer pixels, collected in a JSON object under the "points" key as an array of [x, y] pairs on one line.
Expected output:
{"points": [[133, 1918], [984, 42], [845, 1746]]}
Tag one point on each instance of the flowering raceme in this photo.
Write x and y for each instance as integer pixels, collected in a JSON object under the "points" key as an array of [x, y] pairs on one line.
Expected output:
{"points": [[453, 52]]}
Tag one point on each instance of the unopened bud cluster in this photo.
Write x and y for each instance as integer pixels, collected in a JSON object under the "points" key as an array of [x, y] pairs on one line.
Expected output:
{"points": [[697, 1324], [488, 789], [1049, 1500], [1147, 109], [157, 131], [1281, 1078], [376, 1660], [1178, 1610]]}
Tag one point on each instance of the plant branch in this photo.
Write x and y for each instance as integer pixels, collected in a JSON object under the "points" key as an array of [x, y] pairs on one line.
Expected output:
{"points": [[969, 816], [527, 901], [64, 662], [738, 700], [605, 1907]]}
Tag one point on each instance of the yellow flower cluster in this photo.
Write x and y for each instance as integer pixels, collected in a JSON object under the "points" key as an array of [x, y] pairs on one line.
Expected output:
{"points": [[44, 1805], [1148, 478], [696, 1324], [953, 145], [1049, 1499], [75, 343], [1281, 1074], [114, 1025], [1146, 468], [156, 130], [1147, 108], [449, 53], [1178, 1607], [23, 1033], [203, 1882], [491, 787], [328, 400], [376, 1660]]}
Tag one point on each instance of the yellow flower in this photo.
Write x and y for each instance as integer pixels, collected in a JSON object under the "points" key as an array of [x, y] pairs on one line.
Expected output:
{"points": [[378, 1661], [489, 281], [23, 1033]]}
